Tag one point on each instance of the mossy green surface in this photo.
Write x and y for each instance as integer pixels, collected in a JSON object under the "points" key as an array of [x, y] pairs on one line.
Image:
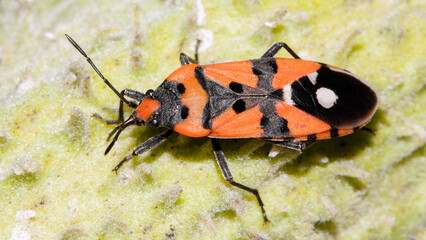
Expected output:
{"points": [[55, 182]]}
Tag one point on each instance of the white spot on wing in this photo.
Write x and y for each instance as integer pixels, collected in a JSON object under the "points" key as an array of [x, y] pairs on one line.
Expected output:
{"points": [[326, 97], [287, 91], [313, 77]]}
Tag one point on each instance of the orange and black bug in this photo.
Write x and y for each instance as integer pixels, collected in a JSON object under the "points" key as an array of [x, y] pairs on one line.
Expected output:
{"points": [[289, 102]]}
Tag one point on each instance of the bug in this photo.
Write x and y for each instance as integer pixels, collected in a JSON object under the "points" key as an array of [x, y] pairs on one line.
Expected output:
{"points": [[286, 101]]}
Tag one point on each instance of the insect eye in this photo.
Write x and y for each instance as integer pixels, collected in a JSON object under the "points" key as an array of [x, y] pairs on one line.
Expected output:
{"points": [[154, 123], [154, 120]]}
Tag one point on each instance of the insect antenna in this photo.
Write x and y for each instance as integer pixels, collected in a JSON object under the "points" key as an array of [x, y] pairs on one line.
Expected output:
{"points": [[97, 70], [117, 130]]}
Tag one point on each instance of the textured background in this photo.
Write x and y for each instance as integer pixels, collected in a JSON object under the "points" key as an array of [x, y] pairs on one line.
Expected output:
{"points": [[55, 182]]}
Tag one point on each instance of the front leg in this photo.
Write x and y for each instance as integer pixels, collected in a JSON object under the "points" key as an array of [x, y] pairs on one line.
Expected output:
{"points": [[149, 144], [226, 172]]}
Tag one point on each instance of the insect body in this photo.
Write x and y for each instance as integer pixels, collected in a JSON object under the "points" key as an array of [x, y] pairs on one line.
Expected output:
{"points": [[289, 102]]}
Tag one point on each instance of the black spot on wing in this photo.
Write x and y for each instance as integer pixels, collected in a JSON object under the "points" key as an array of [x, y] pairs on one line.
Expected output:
{"points": [[236, 87], [184, 112], [181, 88], [264, 122], [239, 106], [334, 133], [282, 123]]}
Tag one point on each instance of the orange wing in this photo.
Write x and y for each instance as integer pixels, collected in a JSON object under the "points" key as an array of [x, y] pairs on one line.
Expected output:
{"points": [[288, 70], [248, 124], [300, 123], [229, 124]]}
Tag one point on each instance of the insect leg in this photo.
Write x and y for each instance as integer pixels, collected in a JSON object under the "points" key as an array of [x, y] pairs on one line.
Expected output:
{"points": [[118, 130], [372, 131], [133, 94], [185, 60], [149, 144], [295, 145], [226, 172], [276, 47]]}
